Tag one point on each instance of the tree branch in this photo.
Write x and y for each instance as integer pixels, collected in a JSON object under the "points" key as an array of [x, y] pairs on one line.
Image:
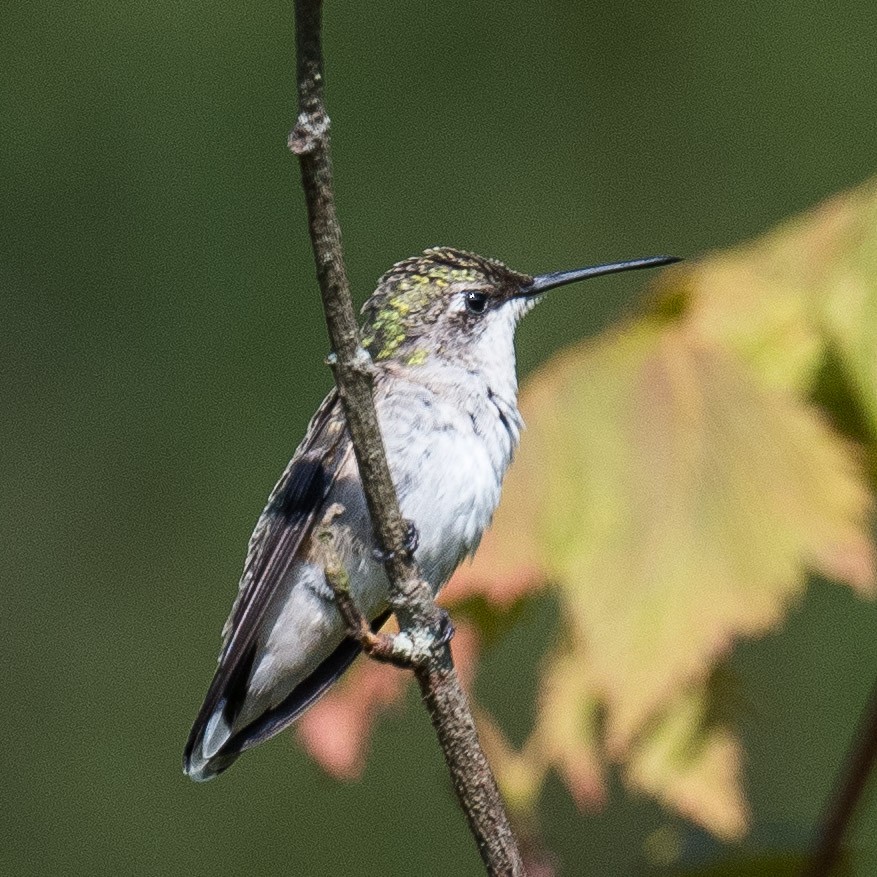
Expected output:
{"points": [[410, 596], [851, 784]]}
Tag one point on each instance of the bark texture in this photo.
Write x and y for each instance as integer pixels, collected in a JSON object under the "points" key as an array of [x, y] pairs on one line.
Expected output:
{"points": [[423, 626]]}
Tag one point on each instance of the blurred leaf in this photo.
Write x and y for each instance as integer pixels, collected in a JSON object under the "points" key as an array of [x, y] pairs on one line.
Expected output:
{"points": [[676, 485], [336, 730], [566, 735], [675, 503], [784, 302], [490, 621], [849, 303], [693, 765]]}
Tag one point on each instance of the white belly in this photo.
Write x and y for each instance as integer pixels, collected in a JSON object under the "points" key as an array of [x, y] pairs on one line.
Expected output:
{"points": [[448, 474]]}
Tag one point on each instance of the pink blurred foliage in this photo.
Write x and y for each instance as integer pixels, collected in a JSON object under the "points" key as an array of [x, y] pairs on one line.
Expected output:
{"points": [[585, 782], [336, 731], [480, 579]]}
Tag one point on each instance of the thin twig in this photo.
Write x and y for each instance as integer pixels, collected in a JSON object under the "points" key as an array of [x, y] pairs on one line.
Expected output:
{"points": [[410, 596], [851, 784]]}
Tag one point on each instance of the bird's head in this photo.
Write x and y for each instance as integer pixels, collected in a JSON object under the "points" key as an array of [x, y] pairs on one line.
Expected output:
{"points": [[454, 305]]}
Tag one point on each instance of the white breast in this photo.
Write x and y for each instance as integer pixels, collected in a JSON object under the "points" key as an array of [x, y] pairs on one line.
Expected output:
{"points": [[448, 448]]}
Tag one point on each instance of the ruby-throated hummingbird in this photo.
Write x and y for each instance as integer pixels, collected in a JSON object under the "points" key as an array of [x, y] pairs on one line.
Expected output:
{"points": [[440, 328]]}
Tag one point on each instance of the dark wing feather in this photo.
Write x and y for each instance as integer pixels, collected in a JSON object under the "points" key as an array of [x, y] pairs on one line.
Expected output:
{"points": [[293, 508], [273, 721]]}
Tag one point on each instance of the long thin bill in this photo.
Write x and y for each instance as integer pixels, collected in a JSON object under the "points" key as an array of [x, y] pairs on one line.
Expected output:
{"points": [[544, 282]]}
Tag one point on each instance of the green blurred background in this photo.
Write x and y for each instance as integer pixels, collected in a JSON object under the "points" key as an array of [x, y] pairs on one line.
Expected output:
{"points": [[162, 349]]}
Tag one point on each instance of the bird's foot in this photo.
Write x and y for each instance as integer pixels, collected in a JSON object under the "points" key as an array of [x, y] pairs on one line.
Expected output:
{"points": [[445, 629], [412, 539]]}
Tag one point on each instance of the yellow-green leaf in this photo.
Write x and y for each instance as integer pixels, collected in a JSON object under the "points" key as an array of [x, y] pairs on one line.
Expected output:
{"points": [[676, 484], [693, 765]]}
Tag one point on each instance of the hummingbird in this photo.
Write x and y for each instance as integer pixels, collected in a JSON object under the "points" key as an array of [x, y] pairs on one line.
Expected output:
{"points": [[440, 329]]}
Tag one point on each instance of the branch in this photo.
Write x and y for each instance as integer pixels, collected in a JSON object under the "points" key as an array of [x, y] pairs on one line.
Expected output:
{"points": [[399, 650], [851, 784], [410, 596]]}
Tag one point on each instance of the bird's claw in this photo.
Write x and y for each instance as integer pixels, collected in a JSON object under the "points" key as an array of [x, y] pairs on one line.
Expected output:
{"points": [[445, 629], [412, 539]]}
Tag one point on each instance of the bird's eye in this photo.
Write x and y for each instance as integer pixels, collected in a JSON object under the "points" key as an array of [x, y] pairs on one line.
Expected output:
{"points": [[476, 302]]}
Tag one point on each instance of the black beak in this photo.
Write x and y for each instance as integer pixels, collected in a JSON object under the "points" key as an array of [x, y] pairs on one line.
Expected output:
{"points": [[544, 282]]}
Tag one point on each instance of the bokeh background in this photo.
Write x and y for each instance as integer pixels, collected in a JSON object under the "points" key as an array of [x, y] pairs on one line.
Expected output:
{"points": [[162, 349]]}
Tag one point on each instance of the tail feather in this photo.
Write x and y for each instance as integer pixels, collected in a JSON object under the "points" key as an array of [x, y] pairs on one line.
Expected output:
{"points": [[217, 732], [212, 748]]}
